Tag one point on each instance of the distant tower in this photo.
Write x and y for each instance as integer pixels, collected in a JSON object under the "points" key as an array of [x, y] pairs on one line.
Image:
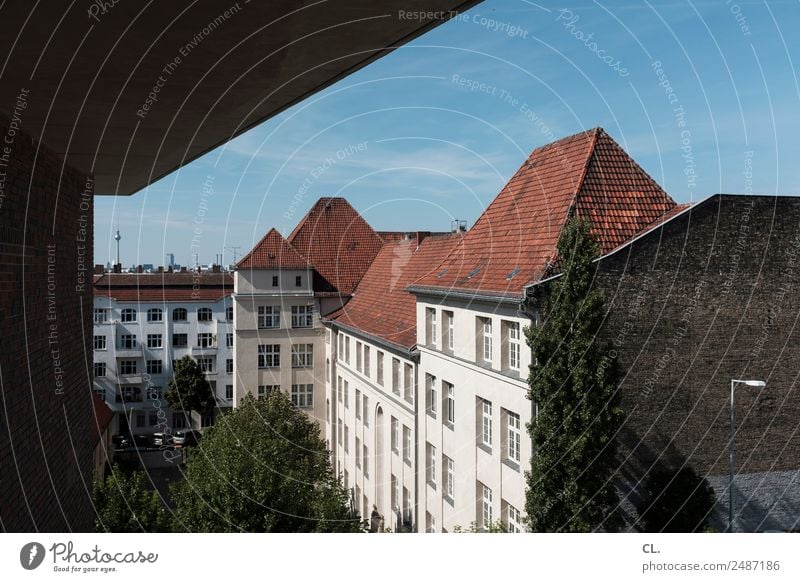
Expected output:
{"points": [[117, 238], [170, 259]]}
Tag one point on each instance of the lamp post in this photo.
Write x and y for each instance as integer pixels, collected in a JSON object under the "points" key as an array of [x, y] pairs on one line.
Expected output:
{"points": [[752, 384]]}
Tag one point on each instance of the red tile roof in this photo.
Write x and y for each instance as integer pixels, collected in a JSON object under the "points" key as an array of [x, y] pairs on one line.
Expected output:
{"points": [[273, 252], [102, 415], [161, 287], [513, 243], [381, 306], [338, 242]]}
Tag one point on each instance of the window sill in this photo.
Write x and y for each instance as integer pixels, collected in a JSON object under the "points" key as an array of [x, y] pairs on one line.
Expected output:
{"points": [[432, 485], [449, 425], [485, 448], [449, 500], [511, 464]]}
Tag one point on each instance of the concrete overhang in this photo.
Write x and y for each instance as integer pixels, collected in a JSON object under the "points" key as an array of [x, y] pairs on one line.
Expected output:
{"points": [[130, 91]]}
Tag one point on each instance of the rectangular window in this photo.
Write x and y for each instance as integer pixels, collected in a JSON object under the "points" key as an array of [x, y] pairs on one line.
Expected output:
{"points": [[430, 523], [99, 369], [180, 340], [486, 422], [366, 361], [513, 519], [127, 367], [228, 391], [514, 437], [431, 398], [379, 368], [359, 348], [366, 461], [100, 342], [266, 389], [450, 402], [396, 376], [430, 457], [128, 315], [269, 316], [339, 346], [358, 404], [449, 340], [206, 364], [346, 387], [298, 281], [207, 419], [155, 314], [229, 313], [178, 420], [269, 356], [205, 340], [155, 340], [395, 429], [365, 409], [487, 515], [127, 341], [339, 431], [302, 355], [513, 345], [205, 314], [408, 383], [274, 280], [346, 439], [140, 419], [101, 315], [347, 350], [228, 340], [302, 315], [449, 477], [358, 452], [155, 367], [406, 505], [395, 500], [407, 452], [229, 366], [485, 339], [430, 327], [303, 395]]}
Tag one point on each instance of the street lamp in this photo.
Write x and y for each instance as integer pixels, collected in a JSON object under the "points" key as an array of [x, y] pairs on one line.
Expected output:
{"points": [[752, 384]]}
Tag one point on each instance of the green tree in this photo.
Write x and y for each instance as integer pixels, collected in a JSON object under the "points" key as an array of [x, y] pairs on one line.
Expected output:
{"points": [[124, 504], [263, 468], [188, 389], [573, 381], [677, 502]]}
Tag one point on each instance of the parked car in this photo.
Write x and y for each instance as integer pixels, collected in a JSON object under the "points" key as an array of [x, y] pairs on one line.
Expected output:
{"points": [[162, 439], [186, 438]]}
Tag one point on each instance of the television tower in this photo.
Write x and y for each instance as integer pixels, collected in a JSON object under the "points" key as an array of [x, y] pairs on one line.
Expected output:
{"points": [[117, 238]]}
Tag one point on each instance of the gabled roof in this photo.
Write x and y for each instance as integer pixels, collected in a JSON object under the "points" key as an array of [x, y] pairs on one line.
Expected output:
{"points": [[273, 252], [381, 306], [338, 242], [513, 243]]}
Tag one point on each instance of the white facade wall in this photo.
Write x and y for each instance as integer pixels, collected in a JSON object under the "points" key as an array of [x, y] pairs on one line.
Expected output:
{"points": [[148, 413]]}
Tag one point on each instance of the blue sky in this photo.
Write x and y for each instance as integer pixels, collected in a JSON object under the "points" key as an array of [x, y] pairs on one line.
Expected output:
{"points": [[433, 131]]}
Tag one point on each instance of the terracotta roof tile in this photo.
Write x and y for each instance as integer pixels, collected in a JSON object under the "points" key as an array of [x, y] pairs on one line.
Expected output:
{"points": [[381, 306], [338, 242], [102, 415], [161, 287], [273, 252]]}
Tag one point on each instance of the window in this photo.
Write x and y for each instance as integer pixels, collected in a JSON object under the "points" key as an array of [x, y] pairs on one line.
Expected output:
{"points": [[155, 314], [513, 345], [396, 376], [180, 340], [339, 346], [99, 342], [395, 426], [485, 339], [514, 437], [99, 369], [406, 506], [449, 339], [127, 341], [178, 420], [229, 313], [228, 391], [486, 513], [303, 395], [430, 523], [229, 366], [269, 356], [339, 389], [207, 419], [358, 404], [430, 394], [206, 364], [155, 392], [302, 355], [346, 479], [430, 326], [513, 519], [154, 340], [339, 431], [408, 383], [228, 340], [449, 477], [430, 457], [302, 315], [379, 368], [274, 280], [346, 385], [395, 493], [127, 367], [155, 367], [298, 281], [179, 314], [264, 390], [141, 418], [407, 444], [128, 315], [204, 314], [359, 358], [269, 316], [101, 315], [366, 461], [358, 452], [486, 422], [366, 410], [205, 340], [347, 350], [366, 360], [347, 439], [450, 403]]}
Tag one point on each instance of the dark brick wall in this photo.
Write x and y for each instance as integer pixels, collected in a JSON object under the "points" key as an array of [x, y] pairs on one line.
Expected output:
{"points": [[710, 296], [46, 433]]}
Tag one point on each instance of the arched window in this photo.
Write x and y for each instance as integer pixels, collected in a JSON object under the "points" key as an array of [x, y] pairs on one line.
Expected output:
{"points": [[154, 314], [204, 314], [128, 314], [179, 314]]}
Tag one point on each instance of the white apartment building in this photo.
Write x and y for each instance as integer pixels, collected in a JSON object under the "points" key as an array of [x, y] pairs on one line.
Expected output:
{"points": [[145, 321]]}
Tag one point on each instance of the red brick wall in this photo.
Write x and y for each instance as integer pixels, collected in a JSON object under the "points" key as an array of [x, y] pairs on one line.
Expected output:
{"points": [[46, 436]]}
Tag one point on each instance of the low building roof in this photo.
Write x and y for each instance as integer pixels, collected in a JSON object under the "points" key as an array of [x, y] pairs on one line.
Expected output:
{"points": [[162, 287]]}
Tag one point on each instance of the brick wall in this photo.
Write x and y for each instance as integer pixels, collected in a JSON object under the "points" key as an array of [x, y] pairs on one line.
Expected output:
{"points": [[46, 437], [711, 296]]}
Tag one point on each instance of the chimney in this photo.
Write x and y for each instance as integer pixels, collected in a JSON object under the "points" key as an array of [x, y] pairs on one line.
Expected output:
{"points": [[117, 268], [421, 236], [161, 269], [98, 269], [215, 269], [139, 269], [458, 226], [183, 270]]}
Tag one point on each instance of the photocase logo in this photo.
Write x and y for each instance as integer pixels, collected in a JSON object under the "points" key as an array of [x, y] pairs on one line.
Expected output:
{"points": [[31, 555]]}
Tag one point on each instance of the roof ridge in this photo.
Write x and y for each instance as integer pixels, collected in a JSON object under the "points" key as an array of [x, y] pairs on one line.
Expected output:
{"points": [[585, 170]]}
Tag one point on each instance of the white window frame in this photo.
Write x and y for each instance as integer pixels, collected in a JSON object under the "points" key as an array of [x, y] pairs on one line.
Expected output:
{"points": [[302, 355], [100, 343], [513, 424], [514, 345], [302, 316], [451, 340], [487, 339], [513, 519], [407, 446], [269, 356], [155, 341], [207, 314], [269, 317], [205, 340], [449, 477], [155, 314], [450, 403], [486, 422], [303, 395], [128, 315], [101, 315], [487, 511], [431, 396], [395, 435]]}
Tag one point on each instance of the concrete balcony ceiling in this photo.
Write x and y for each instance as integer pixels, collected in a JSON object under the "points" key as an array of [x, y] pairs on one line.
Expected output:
{"points": [[131, 91]]}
